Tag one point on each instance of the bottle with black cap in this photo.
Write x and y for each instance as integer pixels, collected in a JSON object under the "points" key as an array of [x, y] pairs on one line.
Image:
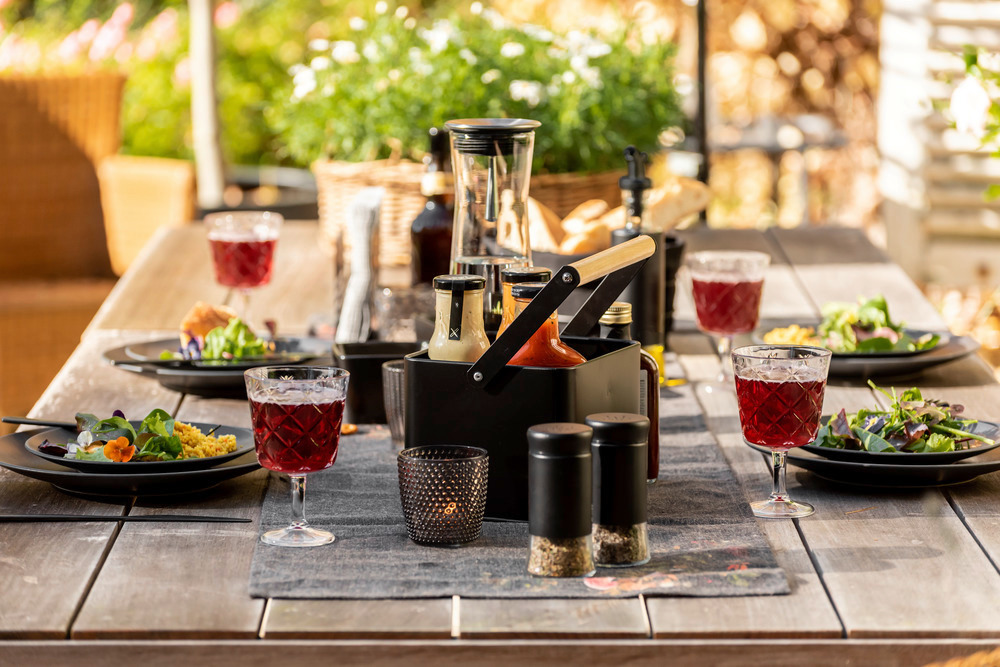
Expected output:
{"points": [[616, 324], [545, 348], [647, 291], [458, 319], [514, 275], [430, 231], [559, 500], [619, 477]]}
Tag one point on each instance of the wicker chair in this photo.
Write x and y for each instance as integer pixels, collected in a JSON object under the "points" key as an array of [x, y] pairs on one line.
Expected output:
{"points": [[55, 270]]}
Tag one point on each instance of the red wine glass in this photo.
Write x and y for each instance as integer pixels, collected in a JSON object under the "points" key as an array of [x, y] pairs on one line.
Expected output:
{"points": [[779, 390], [242, 244], [726, 286], [296, 413]]}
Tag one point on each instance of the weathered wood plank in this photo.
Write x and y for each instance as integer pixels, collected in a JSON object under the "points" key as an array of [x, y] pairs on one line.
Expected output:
{"points": [[689, 653], [358, 619], [552, 619], [196, 579], [143, 299]]}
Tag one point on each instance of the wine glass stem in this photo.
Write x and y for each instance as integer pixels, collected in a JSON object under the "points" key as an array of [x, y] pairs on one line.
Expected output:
{"points": [[724, 348], [243, 304], [299, 501], [778, 492]]}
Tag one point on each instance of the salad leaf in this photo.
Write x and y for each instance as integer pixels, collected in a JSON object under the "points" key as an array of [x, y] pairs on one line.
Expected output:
{"points": [[85, 421], [96, 453], [234, 341], [111, 428], [873, 442], [159, 422], [865, 327], [936, 442], [160, 447]]}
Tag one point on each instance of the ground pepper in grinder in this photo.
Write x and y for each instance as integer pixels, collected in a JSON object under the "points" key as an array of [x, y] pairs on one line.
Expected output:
{"points": [[559, 499], [619, 479]]}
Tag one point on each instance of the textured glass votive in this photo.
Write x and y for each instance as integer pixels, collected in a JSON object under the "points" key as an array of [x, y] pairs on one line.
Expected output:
{"points": [[443, 492]]}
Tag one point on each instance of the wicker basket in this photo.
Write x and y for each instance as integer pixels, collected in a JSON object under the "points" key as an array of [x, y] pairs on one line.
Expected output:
{"points": [[53, 130], [338, 182]]}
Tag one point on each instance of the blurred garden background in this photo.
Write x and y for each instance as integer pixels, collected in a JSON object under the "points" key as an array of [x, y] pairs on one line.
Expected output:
{"points": [[817, 112]]}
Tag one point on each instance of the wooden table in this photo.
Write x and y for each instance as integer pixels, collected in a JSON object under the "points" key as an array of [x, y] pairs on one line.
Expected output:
{"points": [[900, 578]]}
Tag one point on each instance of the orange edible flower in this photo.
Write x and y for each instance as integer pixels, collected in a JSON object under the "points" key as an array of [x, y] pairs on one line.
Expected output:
{"points": [[119, 450]]}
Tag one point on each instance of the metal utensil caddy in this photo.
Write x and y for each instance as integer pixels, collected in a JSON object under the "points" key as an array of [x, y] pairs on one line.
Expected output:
{"points": [[491, 405]]}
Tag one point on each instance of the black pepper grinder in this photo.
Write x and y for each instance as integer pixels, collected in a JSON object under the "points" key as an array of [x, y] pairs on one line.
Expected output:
{"points": [[559, 500], [619, 446], [647, 291]]}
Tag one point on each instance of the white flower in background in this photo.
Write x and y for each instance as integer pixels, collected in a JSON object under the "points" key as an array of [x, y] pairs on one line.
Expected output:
{"points": [[295, 69], [345, 52], [319, 44], [320, 63], [410, 23], [393, 75], [303, 75], [357, 23], [370, 50], [970, 106], [580, 43], [381, 7], [555, 83], [579, 63], [557, 52], [496, 21], [596, 49], [423, 69], [476, 8], [416, 55], [537, 32], [381, 85], [402, 11], [512, 50], [490, 75], [569, 76], [438, 37], [528, 91], [592, 77], [468, 56]]}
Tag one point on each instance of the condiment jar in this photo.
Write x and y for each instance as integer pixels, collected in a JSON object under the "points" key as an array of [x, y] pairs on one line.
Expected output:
{"points": [[619, 477], [559, 499], [514, 275], [616, 324], [458, 319], [544, 348]]}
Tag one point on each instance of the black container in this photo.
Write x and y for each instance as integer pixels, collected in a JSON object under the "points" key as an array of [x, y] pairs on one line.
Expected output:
{"points": [[559, 474], [491, 405], [646, 291], [365, 404], [673, 255], [619, 451]]}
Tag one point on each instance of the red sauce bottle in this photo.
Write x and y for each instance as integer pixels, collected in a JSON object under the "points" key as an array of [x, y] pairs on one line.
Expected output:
{"points": [[544, 348]]}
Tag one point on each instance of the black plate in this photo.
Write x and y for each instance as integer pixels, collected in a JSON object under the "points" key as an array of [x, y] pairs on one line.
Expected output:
{"points": [[209, 382], [287, 350], [984, 428], [886, 475], [14, 456], [892, 364], [244, 441]]}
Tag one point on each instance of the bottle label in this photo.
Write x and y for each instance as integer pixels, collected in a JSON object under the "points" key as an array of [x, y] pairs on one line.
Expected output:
{"points": [[455, 317], [643, 404]]}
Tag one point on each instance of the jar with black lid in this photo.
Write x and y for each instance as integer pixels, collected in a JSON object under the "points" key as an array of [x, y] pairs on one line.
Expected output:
{"points": [[619, 477], [514, 275], [559, 500]]}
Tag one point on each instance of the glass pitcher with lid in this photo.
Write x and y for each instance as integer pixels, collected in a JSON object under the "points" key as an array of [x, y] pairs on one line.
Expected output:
{"points": [[491, 159]]}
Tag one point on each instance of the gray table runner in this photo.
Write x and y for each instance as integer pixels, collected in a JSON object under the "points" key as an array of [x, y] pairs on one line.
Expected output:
{"points": [[703, 538]]}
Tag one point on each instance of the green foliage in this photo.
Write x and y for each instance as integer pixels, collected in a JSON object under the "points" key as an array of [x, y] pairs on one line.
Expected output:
{"points": [[374, 94]]}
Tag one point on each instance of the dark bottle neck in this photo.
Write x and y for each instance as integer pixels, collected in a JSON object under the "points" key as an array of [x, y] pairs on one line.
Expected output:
{"points": [[617, 331]]}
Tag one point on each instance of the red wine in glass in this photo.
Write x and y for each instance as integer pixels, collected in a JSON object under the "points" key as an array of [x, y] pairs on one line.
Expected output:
{"points": [[296, 438], [780, 415], [242, 263], [727, 307]]}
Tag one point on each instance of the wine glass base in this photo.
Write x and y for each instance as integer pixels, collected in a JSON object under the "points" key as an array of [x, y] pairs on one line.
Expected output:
{"points": [[781, 509], [297, 536]]}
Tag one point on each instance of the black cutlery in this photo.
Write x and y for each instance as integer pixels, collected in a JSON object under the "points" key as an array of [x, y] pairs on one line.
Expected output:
{"points": [[151, 518], [69, 426]]}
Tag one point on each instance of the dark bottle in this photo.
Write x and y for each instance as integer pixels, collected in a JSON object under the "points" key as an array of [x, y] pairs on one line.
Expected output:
{"points": [[430, 232], [616, 324], [647, 291]]}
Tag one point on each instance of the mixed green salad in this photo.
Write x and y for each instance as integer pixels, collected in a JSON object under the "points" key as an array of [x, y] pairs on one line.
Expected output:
{"points": [[234, 341], [911, 424], [115, 440], [865, 327]]}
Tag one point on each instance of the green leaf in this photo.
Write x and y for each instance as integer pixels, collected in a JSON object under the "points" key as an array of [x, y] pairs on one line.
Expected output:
{"points": [[159, 422], [112, 428], [158, 446], [85, 421], [96, 455], [872, 442], [875, 345], [875, 312], [938, 443]]}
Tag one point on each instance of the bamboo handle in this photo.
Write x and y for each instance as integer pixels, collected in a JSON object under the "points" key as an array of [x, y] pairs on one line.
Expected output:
{"points": [[608, 261]]}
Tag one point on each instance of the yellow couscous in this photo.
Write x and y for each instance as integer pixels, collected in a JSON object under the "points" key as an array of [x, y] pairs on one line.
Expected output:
{"points": [[197, 445], [792, 335]]}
